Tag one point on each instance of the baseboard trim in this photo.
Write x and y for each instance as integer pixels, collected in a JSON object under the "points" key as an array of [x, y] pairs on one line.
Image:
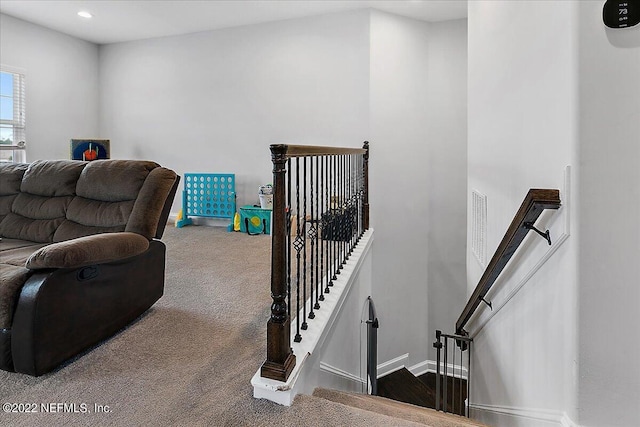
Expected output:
{"points": [[430, 366], [325, 367], [568, 422], [392, 365], [531, 415]]}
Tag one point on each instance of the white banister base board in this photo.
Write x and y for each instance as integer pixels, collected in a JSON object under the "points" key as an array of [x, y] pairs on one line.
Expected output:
{"points": [[524, 417], [430, 366], [316, 334], [390, 366], [325, 367]]}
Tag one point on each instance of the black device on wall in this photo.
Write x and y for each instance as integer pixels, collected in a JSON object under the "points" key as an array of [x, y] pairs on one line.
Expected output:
{"points": [[621, 13]]}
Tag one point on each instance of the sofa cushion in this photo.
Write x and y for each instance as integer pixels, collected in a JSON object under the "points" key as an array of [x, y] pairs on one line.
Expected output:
{"points": [[9, 244], [106, 194], [46, 189], [52, 178], [113, 180], [37, 230], [17, 252], [10, 179]]}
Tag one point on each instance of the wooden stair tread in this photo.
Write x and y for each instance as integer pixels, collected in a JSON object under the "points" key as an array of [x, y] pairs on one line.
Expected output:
{"points": [[392, 408]]}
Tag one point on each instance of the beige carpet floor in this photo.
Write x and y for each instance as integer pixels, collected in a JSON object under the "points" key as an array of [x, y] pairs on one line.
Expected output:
{"points": [[189, 360]]}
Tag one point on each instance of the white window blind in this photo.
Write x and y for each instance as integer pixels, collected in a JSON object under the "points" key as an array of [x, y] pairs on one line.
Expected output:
{"points": [[12, 115]]}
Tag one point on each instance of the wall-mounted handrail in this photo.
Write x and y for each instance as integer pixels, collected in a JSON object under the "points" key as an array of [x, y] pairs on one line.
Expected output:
{"points": [[536, 201]]}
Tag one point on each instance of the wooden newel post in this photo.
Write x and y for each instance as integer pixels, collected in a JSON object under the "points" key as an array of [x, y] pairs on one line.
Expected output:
{"points": [[365, 205], [280, 358]]}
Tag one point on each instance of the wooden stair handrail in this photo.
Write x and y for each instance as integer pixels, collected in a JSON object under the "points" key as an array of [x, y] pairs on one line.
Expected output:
{"points": [[291, 151], [536, 201]]}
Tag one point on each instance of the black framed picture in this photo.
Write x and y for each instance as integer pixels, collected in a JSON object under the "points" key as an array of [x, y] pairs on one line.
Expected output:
{"points": [[90, 149]]}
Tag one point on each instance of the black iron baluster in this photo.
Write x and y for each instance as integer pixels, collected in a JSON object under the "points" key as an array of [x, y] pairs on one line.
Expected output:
{"points": [[460, 402], [304, 244], [350, 196], [453, 379], [345, 214], [358, 198], [297, 245], [340, 214], [438, 346], [334, 220], [316, 223], [330, 224], [345, 202], [469, 379], [327, 222], [445, 380], [362, 190], [323, 229], [312, 237]]}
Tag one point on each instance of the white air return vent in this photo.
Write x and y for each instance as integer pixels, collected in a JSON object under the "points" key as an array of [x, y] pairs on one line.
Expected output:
{"points": [[479, 227]]}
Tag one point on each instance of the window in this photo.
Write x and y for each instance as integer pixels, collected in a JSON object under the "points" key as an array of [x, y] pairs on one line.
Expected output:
{"points": [[12, 120]]}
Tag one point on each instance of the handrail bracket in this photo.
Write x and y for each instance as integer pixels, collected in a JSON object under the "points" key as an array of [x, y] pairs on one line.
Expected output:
{"points": [[545, 235]]}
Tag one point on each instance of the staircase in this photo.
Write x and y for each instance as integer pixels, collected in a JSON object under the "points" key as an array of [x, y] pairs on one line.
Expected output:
{"points": [[403, 386], [386, 408]]}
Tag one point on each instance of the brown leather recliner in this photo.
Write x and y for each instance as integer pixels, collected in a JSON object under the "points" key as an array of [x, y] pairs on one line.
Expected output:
{"points": [[79, 256]]}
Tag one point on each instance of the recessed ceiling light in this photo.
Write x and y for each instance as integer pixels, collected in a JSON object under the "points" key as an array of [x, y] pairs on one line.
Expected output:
{"points": [[85, 14]]}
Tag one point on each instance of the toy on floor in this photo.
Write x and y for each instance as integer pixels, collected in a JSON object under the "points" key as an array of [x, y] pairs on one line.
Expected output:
{"points": [[210, 195]]}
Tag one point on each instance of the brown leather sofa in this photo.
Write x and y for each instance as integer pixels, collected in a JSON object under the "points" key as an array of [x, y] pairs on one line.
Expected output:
{"points": [[79, 255]]}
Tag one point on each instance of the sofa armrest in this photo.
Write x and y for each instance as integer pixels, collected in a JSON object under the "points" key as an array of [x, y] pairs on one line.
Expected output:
{"points": [[88, 250]]}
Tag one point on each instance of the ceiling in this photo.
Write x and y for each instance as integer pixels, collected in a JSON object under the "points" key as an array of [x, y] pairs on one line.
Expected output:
{"points": [[126, 20]]}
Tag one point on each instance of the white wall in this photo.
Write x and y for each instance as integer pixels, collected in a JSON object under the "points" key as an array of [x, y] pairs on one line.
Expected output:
{"points": [[214, 101], [61, 85], [446, 167], [522, 133], [609, 380], [398, 182], [344, 355], [418, 179]]}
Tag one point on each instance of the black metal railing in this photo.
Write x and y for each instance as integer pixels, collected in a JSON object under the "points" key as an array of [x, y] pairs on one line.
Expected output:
{"points": [[453, 381], [320, 211]]}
